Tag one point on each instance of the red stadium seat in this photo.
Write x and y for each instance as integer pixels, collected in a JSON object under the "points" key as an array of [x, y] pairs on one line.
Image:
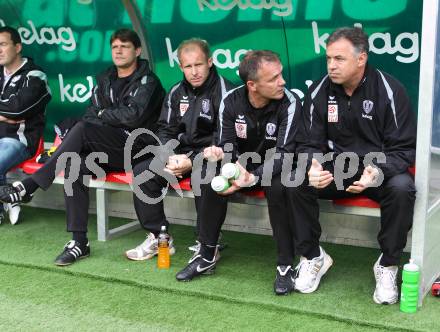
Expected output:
{"points": [[40, 150]]}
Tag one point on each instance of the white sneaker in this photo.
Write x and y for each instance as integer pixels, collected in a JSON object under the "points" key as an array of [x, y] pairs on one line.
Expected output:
{"points": [[13, 212], [386, 291], [147, 249], [310, 272]]}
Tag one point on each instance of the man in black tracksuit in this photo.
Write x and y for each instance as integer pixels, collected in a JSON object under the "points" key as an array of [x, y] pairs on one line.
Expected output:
{"points": [[24, 94], [260, 118], [359, 110], [127, 96], [189, 115]]}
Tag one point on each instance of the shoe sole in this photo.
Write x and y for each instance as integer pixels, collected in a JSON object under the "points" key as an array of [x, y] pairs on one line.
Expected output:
{"points": [[376, 300], [321, 273], [283, 293], [150, 256], [66, 264], [204, 273]]}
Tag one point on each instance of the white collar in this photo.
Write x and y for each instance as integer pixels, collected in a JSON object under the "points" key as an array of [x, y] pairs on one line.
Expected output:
{"points": [[23, 62]]}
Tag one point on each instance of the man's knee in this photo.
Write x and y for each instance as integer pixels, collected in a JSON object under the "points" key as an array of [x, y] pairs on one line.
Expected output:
{"points": [[80, 126], [85, 129], [303, 190], [141, 167], [276, 191], [401, 186]]}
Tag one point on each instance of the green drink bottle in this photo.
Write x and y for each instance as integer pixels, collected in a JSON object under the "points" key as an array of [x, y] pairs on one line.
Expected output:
{"points": [[409, 296]]}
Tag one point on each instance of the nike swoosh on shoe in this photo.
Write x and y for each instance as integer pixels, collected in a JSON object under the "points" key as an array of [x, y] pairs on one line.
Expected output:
{"points": [[201, 269]]}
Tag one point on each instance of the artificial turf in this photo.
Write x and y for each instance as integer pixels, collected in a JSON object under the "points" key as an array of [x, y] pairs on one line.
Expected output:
{"points": [[108, 292]]}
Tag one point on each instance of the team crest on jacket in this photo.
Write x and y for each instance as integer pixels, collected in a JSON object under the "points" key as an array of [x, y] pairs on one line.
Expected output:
{"points": [[367, 105], [184, 105], [270, 128], [332, 112], [205, 106], [241, 130], [205, 109]]}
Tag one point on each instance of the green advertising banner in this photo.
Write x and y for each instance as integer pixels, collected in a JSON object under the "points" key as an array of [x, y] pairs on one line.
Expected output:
{"points": [[70, 38]]}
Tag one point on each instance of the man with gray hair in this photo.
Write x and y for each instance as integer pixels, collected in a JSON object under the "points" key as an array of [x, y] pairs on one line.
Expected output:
{"points": [[360, 111], [258, 117], [189, 115]]}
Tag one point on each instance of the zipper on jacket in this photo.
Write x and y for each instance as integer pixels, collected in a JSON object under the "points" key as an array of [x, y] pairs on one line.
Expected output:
{"points": [[6, 83], [190, 126], [193, 118]]}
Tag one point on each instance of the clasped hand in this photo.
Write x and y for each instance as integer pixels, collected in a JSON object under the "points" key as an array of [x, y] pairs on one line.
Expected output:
{"points": [[178, 165]]}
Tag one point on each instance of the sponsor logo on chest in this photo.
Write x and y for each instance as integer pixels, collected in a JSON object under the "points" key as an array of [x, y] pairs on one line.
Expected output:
{"points": [[183, 105], [240, 127], [14, 80]]}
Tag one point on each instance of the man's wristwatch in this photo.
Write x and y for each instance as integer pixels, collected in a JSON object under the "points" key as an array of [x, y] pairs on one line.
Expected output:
{"points": [[100, 112]]}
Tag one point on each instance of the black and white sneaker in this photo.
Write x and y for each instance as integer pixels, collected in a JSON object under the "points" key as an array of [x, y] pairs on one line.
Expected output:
{"points": [[284, 281], [197, 265], [73, 250], [14, 193]]}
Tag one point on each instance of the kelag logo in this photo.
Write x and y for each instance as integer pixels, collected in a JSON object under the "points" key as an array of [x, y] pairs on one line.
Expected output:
{"points": [[380, 43], [279, 8], [48, 35]]}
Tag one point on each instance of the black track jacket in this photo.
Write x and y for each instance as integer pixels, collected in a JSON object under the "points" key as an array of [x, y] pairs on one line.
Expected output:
{"points": [[376, 118], [257, 130], [139, 103], [191, 114], [24, 97]]}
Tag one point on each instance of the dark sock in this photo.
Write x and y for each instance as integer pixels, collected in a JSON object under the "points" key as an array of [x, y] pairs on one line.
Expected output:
{"points": [[207, 251], [315, 252], [80, 237], [386, 261], [30, 185]]}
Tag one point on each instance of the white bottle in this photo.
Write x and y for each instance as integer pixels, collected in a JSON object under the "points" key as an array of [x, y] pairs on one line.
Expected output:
{"points": [[220, 183], [230, 171]]}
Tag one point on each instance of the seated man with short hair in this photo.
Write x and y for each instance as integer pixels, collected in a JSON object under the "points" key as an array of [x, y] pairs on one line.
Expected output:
{"points": [[259, 117], [127, 96], [189, 115], [360, 111], [23, 100]]}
